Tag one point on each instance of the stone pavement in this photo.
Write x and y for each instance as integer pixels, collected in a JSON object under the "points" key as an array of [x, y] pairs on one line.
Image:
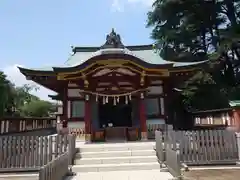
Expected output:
{"points": [[123, 175]]}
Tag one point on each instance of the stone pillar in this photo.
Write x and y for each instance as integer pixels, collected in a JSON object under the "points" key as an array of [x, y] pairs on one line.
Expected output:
{"points": [[142, 117], [2, 126], [87, 119], [7, 126], [238, 144], [236, 119]]}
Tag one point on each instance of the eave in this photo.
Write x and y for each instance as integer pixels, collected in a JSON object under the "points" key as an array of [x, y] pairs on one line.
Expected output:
{"points": [[56, 97], [227, 109], [32, 72], [189, 67]]}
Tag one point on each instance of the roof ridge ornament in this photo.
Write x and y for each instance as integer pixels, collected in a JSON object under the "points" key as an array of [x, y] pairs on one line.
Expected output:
{"points": [[113, 40]]}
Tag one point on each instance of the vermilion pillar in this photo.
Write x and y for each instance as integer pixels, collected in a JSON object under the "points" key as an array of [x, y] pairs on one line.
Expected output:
{"points": [[87, 119], [64, 118], [143, 119]]}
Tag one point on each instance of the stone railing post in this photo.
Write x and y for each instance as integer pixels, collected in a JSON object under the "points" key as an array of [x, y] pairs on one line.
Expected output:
{"points": [[238, 144], [159, 148]]}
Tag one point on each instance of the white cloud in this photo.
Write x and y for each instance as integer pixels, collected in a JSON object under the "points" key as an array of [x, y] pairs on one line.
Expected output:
{"points": [[119, 5], [14, 75]]}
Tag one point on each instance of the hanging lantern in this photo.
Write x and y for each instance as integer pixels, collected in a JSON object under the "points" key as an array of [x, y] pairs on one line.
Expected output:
{"points": [[106, 99], [223, 120], [142, 96], [228, 119], [211, 119], [114, 101], [118, 99], [208, 120], [130, 97], [96, 98], [126, 99], [87, 97]]}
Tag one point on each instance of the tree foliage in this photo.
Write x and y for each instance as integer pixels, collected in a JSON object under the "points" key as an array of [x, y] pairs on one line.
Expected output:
{"points": [[193, 30], [18, 101], [37, 108], [5, 93]]}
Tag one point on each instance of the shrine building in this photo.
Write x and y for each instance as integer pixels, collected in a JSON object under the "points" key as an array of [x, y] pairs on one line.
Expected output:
{"points": [[114, 91]]}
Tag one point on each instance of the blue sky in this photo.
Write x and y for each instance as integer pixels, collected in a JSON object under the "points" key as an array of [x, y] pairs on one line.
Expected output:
{"points": [[36, 33]]}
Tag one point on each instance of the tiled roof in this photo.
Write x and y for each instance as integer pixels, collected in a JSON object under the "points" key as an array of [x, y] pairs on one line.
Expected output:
{"points": [[145, 53], [235, 103], [149, 55]]}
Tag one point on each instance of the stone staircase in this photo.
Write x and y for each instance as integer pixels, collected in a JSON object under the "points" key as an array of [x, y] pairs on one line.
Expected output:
{"points": [[19, 176], [115, 157]]}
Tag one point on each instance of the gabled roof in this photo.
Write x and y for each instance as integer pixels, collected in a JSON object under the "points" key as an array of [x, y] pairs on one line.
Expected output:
{"points": [[145, 54]]}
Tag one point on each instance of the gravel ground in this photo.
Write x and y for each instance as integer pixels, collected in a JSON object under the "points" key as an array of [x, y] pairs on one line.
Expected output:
{"points": [[216, 174]]}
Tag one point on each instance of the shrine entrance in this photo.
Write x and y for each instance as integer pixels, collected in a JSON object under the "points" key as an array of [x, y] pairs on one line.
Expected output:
{"points": [[118, 115], [115, 119]]}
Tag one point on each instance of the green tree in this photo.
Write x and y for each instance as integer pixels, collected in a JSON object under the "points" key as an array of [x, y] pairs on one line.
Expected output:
{"points": [[5, 92], [38, 108], [27, 104], [18, 101], [193, 30]]}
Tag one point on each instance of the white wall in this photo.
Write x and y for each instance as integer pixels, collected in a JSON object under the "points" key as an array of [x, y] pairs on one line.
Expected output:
{"points": [[155, 121], [59, 109], [155, 90], [74, 93], [80, 125]]}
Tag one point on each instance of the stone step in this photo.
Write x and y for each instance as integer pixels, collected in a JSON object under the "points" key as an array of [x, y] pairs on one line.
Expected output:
{"points": [[100, 154], [116, 160], [116, 147], [123, 175], [20, 176], [116, 167]]}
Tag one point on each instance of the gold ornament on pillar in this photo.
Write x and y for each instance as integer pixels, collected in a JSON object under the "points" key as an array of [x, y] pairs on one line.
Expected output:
{"points": [[86, 83], [142, 80]]}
